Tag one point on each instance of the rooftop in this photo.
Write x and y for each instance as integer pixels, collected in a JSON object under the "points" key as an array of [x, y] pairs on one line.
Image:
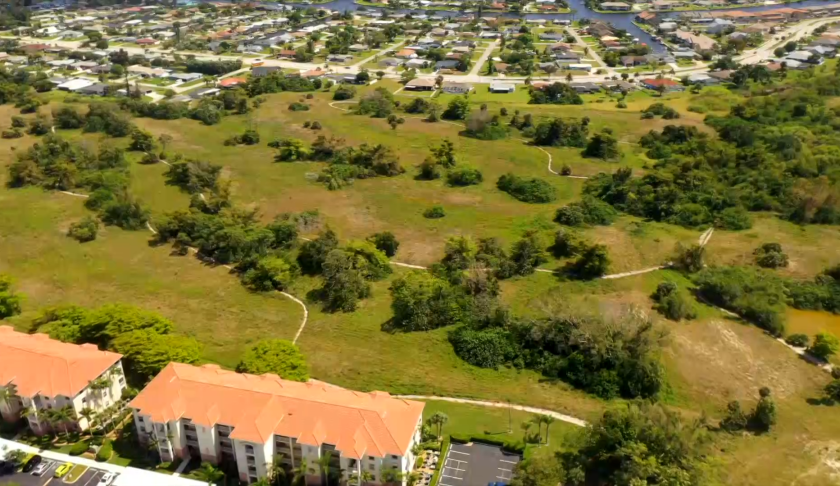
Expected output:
{"points": [[257, 407], [36, 364]]}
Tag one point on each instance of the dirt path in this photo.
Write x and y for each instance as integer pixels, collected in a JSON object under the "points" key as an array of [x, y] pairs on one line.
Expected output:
{"points": [[559, 416]]}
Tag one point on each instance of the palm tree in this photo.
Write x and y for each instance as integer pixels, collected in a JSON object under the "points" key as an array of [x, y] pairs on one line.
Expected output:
{"points": [[548, 420], [324, 466], [526, 429], [439, 419], [8, 392], [537, 420], [569, 78], [364, 477], [392, 476], [88, 415], [277, 475], [61, 416], [208, 472], [413, 478], [301, 471]]}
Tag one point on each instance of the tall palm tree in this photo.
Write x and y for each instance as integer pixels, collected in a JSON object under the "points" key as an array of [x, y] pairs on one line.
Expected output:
{"points": [[61, 416], [361, 478], [439, 419], [547, 420], [208, 472], [324, 466], [300, 472], [88, 414], [277, 475], [8, 392], [537, 420], [526, 429]]}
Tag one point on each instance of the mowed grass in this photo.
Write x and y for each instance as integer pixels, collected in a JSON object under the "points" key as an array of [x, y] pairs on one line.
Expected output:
{"points": [[495, 423]]}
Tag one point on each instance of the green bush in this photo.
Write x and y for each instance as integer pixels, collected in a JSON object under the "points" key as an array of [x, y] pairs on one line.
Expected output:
{"points": [[673, 303], [825, 345], [434, 212], [79, 448], [464, 176], [527, 190], [104, 453], [296, 106], [84, 230], [798, 340], [588, 211]]}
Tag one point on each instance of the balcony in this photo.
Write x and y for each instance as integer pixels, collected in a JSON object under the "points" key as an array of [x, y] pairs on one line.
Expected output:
{"points": [[250, 460]]}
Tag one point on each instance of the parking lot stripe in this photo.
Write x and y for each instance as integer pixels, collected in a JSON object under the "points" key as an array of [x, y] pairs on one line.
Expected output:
{"points": [[509, 462], [453, 477], [95, 477], [503, 469], [443, 484], [459, 452]]}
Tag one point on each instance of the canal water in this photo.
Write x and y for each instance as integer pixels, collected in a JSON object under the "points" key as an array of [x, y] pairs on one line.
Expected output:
{"points": [[619, 20]]}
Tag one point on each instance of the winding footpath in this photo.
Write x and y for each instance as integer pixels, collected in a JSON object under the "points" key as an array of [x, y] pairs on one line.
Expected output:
{"points": [[559, 416]]}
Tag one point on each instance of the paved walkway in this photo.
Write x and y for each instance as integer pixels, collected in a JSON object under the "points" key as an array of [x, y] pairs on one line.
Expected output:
{"points": [[128, 476], [481, 403]]}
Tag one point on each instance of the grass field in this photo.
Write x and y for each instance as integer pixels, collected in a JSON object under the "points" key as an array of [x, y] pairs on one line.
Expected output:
{"points": [[709, 361]]}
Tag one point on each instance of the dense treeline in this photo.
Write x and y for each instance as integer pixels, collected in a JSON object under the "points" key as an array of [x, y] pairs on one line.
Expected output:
{"points": [[635, 444], [56, 164], [214, 68], [773, 153]]}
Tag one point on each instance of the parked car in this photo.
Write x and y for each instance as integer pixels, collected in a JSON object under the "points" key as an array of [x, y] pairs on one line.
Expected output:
{"points": [[7, 467], [107, 479], [63, 469], [40, 469], [31, 463]]}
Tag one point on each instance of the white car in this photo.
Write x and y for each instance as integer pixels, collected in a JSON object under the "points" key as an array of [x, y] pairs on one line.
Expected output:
{"points": [[40, 469], [107, 479]]}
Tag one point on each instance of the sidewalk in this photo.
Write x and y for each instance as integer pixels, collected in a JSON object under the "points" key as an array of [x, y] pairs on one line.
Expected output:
{"points": [[128, 476]]}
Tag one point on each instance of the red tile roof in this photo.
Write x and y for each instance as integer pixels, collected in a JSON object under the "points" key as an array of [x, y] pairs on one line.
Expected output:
{"points": [[228, 82], [36, 364], [660, 82], [257, 407]]}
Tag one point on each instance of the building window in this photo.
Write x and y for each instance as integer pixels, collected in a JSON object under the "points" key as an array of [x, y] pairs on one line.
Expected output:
{"points": [[252, 479], [249, 449], [371, 458], [252, 469], [396, 458], [371, 466], [122, 381]]}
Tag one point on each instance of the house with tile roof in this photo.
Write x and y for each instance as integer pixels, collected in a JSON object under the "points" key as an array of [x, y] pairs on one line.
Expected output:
{"points": [[45, 374], [246, 422]]}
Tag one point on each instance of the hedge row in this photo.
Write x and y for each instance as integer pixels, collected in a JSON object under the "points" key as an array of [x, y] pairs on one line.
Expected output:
{"points": [[515, 447]]}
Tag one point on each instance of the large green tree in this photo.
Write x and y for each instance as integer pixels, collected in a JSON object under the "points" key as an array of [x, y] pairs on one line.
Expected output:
{"points": [[276, 356]]}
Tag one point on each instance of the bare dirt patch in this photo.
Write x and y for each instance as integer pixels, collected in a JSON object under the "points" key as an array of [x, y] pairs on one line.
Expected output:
{"points": [[731, 361]]}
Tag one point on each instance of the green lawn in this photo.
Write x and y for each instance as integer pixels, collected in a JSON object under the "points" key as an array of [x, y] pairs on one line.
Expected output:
{"points": [[708, 361], [496, 423]]}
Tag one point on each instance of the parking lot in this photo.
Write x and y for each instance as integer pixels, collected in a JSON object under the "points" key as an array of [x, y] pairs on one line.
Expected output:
{"points": [[477, 465], [89, 478]]}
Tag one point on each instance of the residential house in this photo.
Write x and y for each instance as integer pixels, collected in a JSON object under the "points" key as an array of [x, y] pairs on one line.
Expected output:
{"points": [[552, 36], [666, 4], [667, 27], [456, 88], [261, 71], [184, 77], [75, 84], [45, 374], [147, 41], [698, 42], [231, 82], [145, 72], [720, 26], [723, 75], [406, 54], [339, 57], [585, 87], [420, 84], [447, 64], [702, 79], [804, 56], [416, 63], [647, 17], [500, 87], [97, 89], [661, 83], [251, 422], [615, 6]]}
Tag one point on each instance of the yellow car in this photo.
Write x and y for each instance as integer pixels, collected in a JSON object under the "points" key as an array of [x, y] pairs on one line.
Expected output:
{"points": [[63, 469]]}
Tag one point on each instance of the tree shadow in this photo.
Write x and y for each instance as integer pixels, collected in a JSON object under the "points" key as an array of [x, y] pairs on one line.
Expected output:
{"points": [[821, 401]]}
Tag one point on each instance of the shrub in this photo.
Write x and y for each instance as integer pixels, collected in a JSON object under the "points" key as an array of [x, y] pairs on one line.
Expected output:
{"points": [[770, 255], [79, 448], [429, 170], [568, 243], [104, 453], [434, 212], [588, 211], [734, 219], [527, 190], [297, 106], [385, 242], [565, 170], [673, 303], [316, 125], [464, 176], [593, 262], [344, 92], [84, 230], [798, 340], [825, 345], [13, 133]]}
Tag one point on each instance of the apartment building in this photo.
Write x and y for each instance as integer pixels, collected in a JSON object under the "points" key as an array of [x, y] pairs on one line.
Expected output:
{"points": [[247, 423], [39, 374]]}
